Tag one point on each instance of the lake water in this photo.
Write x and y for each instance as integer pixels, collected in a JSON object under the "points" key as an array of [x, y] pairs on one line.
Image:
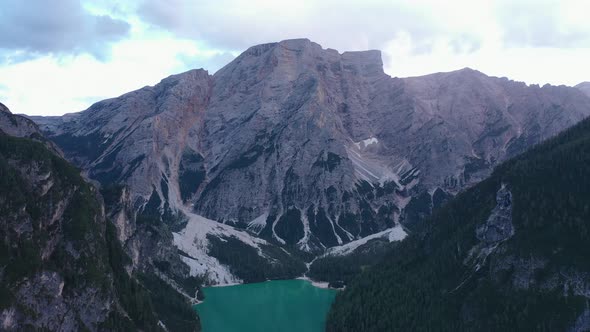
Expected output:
{"points": [[273, 306]]}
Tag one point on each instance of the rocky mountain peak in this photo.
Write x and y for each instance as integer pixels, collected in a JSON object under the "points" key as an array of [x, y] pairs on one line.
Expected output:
{"points": [[4, 109], [308, 146], [20, 126], [292, 57]]}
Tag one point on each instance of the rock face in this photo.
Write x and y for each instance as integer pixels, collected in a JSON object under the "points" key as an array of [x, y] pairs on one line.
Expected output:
{"points": [[584, 87], [19, 126], [54, 260], [499, 226], [62, 267], [306, 146]]}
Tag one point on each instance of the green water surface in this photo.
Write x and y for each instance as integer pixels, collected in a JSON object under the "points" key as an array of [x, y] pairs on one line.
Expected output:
{"points": [[273, 306]]}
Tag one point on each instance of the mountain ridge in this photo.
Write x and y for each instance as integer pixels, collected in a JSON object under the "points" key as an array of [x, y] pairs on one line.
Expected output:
{"points": [[306, 147]]}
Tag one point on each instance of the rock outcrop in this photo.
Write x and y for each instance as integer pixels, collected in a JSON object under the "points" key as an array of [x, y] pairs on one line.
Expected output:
{"points": [[20, 126], [499, 226]]}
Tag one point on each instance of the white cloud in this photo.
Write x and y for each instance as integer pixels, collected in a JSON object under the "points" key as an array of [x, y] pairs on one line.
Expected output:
{"points": [[51, 85], [531, 65], [536, 41], [41, 27], [341, 24]]}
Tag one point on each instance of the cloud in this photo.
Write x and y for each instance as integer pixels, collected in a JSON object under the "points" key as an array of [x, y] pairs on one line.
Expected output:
{"points": [[544, 23], [211, 62], [343, 24], [99, 49], [38, 27], [71, 84]]}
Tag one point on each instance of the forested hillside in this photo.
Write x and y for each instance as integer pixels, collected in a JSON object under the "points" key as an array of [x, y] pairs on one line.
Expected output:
{"points": [[62, 267], [510, 253]]}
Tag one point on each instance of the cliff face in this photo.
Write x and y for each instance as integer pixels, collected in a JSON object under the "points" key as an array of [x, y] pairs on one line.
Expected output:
{"points": [[473, 122], [19, 126], [52, 276], [61, 265], [306, 146]]}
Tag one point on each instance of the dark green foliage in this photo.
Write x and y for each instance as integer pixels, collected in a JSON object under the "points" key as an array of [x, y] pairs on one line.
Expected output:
{"points": [[334, 268], [134, 298], [109, 159], [191, 173], [473, 166], [88, 145], [439, 198], [151, 211], [245, 262], [116, 321], [388, 188], [266, 232], [368, 224], [289, 227], [189, 181], [87, 252], [417, 209], [349, 222], [109, 174], [111, 194], [365, 189], [192, 285], [321, 227], [409, 176], [424, 285], [80, 225], [329, 162], [172, 308], [80, 216], [247, 158]]}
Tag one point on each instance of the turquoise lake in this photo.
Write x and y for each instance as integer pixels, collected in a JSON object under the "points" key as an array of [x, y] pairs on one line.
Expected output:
{"points": [[273, 306]]}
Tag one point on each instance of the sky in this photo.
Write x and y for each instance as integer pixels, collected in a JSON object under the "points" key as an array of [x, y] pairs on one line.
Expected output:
{"points": [[61, 56]]}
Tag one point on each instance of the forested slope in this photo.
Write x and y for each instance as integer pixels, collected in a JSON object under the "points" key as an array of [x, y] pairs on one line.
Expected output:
{"points": [[62, 267], [511, 253]]}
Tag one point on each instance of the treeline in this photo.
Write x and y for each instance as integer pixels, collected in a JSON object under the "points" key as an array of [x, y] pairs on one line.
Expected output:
{"points": [[337, 269], [245, 262]]}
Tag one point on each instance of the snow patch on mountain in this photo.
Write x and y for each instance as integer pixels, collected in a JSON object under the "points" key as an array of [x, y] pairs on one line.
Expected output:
{"points": [[257, 224], [395, 233], [365, 143], [303, 244], [370, 169], [193, 243]]}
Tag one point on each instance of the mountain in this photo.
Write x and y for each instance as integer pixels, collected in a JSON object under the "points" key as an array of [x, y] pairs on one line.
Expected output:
{"points": [[298, 146], [138, 148], [63, 268], [20, 126], [584, 87], [510, 253]]}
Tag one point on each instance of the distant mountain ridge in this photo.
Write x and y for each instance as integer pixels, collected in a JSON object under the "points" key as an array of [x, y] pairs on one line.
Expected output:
{"points": [[304, 146]]}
